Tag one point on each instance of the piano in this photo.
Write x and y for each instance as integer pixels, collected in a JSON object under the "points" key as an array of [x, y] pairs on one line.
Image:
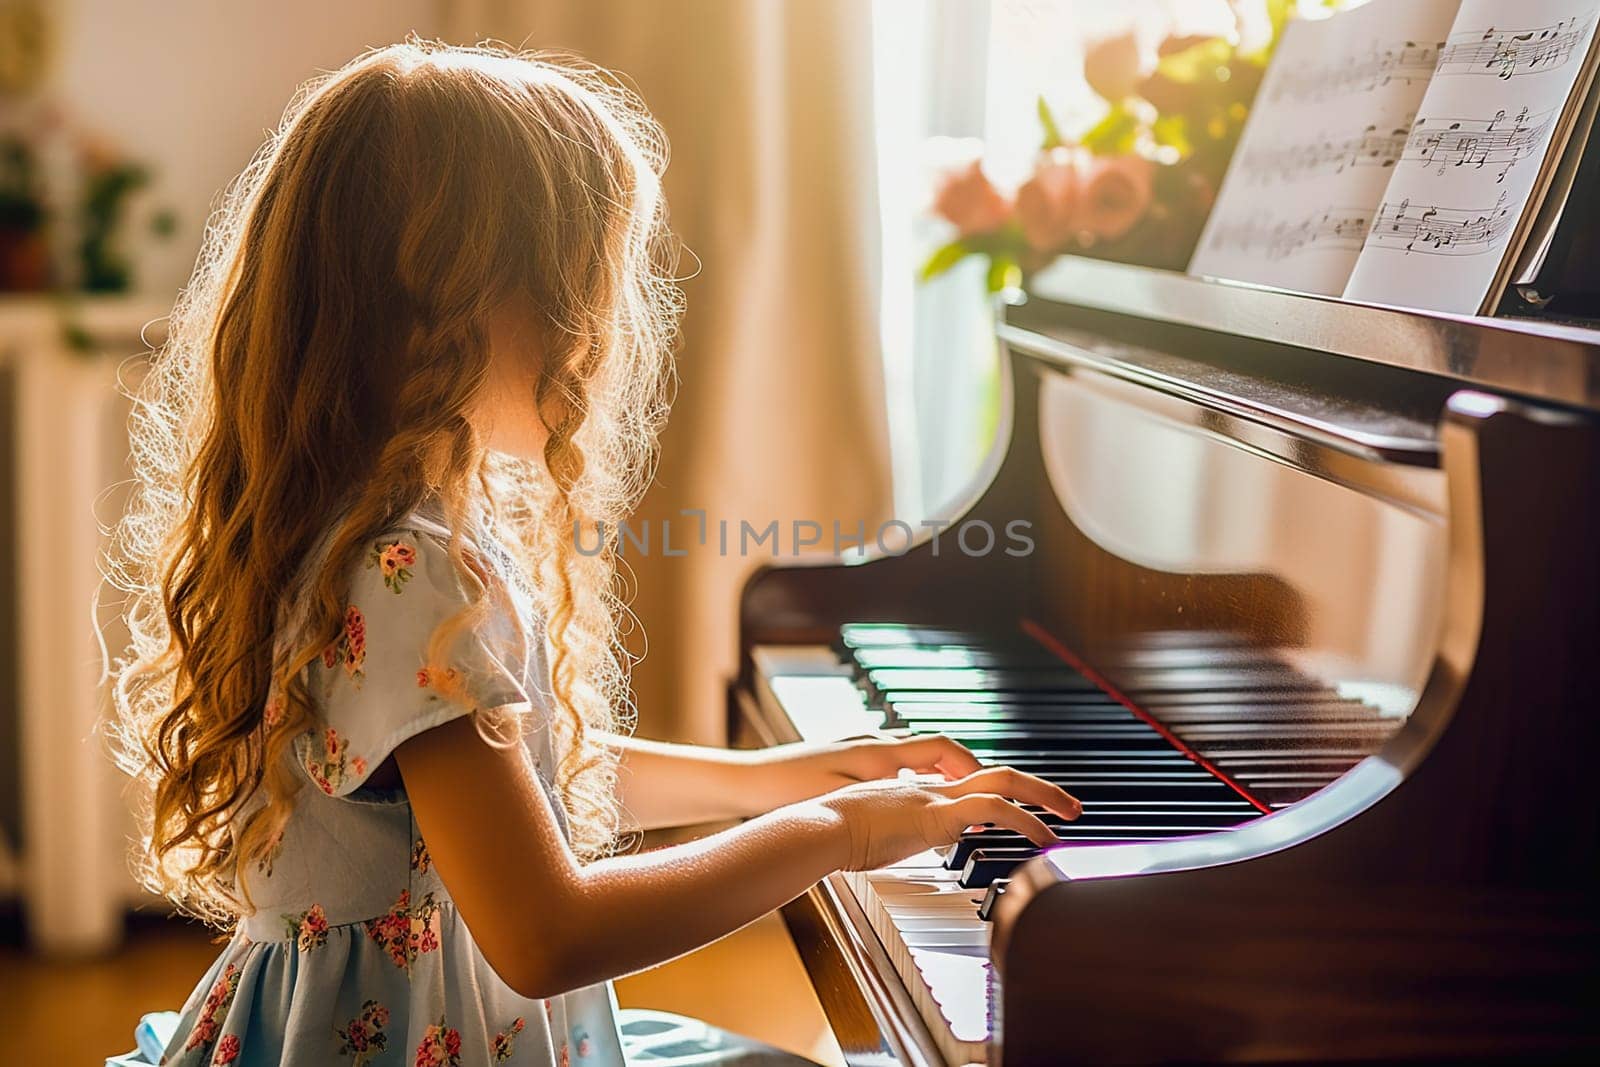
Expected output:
{"points": [[1308, 617]]}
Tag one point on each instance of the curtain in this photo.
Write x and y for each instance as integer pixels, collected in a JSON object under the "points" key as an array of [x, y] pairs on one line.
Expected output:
{"points": [[772, 186]]}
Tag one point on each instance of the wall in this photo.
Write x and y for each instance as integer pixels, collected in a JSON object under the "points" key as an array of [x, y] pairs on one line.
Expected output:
{"points": [[191, 86]]}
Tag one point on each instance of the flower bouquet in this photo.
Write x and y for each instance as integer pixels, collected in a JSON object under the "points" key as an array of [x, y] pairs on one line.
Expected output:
{"points": [[1135, 187]]}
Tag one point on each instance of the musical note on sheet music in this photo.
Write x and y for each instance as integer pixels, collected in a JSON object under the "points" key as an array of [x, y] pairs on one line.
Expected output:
{"points": [[1453, 215], [1443, 231], [1334, 229], [1270, 164], [1382, 64], [1500, 142], [1330, 126], [1512, 53]]}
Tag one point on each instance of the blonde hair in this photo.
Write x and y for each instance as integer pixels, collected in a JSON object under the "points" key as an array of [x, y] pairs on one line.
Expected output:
{"points": [[324, 360]]}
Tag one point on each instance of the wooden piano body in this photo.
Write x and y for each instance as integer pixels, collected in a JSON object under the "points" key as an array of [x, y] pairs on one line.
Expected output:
{"points": [[1405, 505]]}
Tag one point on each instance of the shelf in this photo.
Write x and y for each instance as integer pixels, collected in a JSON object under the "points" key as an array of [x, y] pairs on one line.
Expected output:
{"points": [[1533, 358], [123, 324]]}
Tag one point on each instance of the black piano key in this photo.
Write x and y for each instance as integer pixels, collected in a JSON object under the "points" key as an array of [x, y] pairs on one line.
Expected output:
{"points": [[914, 712], [985, 865], [1152, 813], [991, 897], [991, 746], [1266, 769], [1272, 748], [979, 680], [895, 635], [953, 716], [948, 657], [1364, 734], [1092, 791], [1160, 701], [999, 701], [1230, 807], [1065, 768], [972, 841], [1147, 689], [1229, 803]]}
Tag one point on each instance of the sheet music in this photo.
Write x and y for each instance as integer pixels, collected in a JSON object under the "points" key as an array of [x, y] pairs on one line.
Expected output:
{"points": [[1474, 156], [1335, 115]]}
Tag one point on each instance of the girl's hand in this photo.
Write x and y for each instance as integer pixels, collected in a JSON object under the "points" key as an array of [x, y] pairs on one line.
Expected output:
{"points": [[791, 773], [888, 821]]}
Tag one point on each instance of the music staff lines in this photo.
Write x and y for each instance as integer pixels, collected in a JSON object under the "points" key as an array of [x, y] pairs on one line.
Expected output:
{"points": [[1512, 53], [1444, 231], [1408, 61], [1337, 229], [1501, 141]]}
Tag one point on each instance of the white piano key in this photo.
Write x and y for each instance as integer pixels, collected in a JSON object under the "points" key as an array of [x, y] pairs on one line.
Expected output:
{"points": [[825, 708], [927, 923], [959, 986]]}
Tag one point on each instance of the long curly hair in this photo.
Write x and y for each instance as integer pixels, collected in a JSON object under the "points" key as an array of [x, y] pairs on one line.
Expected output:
{"points": [[317, 385]]}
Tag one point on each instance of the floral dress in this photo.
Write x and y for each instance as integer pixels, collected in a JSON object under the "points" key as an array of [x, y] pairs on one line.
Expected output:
{"points": [[355, 953]]}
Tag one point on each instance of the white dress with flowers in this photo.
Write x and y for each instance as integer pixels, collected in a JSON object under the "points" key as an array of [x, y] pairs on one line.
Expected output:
{"points": [[355, 954]]}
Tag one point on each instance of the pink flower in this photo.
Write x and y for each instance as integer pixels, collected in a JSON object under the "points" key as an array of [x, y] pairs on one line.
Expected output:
{"points": [[209, 1021], [272, 715], [1116, 195], [968, 199], [422, 678], [330, 655], [359, 765], [1049, 202], [1114, 66], [396, 557], [227, 1050], [330, 743], [309, 930]]}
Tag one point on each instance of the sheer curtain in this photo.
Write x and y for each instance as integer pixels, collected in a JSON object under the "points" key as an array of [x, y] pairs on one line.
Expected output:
{"points": [[955, 80], [780, 410]]}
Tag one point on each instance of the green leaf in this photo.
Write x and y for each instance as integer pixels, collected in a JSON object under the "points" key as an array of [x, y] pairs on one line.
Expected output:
{"points": [[1198, 62], [1279, 11], [1003, 273], [943, 258], [1172, 131], [1047, 119], [1114, 135]]}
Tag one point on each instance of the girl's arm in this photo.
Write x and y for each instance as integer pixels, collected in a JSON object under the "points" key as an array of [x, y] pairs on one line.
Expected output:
{"points": [[548, 924], [681, 785]]}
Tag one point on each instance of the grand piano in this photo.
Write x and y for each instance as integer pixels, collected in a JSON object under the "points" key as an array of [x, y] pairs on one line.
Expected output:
{"points": [[1311, 624]]}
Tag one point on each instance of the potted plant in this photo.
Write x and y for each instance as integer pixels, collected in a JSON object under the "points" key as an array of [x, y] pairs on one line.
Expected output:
{"points": [[1135, 187]]}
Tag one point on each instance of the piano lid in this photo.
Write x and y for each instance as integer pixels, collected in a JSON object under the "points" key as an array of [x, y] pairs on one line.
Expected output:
{"points": [[1534, 358]]}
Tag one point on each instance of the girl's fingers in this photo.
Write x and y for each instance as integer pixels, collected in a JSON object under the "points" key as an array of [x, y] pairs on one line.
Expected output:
{"points": [[1009, 782], [937, 753], [978, 808]]}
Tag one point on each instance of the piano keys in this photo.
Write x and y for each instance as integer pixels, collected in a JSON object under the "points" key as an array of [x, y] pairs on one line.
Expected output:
{"points": [[1135, 783], [1307, 630]]}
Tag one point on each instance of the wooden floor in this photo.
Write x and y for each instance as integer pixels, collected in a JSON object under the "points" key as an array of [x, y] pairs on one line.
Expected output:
{"points": [[72, 1013]]}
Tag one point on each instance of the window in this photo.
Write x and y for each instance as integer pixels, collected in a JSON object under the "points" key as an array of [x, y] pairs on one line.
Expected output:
{"points": [[954, 79]]}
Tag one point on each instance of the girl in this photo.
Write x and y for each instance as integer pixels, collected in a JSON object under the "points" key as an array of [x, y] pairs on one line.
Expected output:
{"points": [[373, 685]]}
